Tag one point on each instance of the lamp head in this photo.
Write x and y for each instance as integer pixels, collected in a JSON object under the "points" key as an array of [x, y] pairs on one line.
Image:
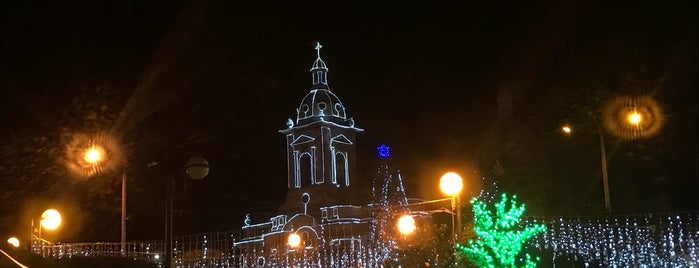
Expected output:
{"points": [[451, 183]]}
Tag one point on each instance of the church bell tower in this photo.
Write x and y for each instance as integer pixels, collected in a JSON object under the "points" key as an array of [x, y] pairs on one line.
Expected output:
{"points": [[320, 143]]}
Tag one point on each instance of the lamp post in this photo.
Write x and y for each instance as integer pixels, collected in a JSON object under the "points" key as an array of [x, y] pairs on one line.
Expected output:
{"points": [[50, 220], [568, 130], [94, 155], [633, 119], [605, 177], [196, 168], [294, 242], [451, 184]]}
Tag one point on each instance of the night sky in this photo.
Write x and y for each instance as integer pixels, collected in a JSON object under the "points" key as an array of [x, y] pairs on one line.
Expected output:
{"points": [[165, 81]]}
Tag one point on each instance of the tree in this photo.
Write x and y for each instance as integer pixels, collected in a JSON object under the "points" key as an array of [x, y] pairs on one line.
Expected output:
{"points": [[500, 235]]}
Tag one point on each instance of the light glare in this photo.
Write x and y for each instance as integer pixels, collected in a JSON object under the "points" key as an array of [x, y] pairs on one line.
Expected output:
{"points": [[634, 118], [294, 240], [93, 155], [406, 225], [13, 241], [50, 219], [451, 183], [566, 129]]}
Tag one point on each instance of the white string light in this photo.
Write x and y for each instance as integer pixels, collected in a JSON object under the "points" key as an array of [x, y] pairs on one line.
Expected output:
{"points": [[624, 241]]}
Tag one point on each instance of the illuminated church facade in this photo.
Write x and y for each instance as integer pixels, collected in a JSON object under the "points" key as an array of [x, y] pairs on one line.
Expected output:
{"points": [[324, 204]]}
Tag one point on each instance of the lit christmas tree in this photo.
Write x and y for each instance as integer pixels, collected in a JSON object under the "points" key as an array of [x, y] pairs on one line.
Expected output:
{"points": [[389, 200], [499, 236]]}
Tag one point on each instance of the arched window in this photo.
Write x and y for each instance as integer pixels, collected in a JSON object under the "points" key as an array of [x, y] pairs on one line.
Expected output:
{"points": [[341, 171], [305, 169], [306, 240]]}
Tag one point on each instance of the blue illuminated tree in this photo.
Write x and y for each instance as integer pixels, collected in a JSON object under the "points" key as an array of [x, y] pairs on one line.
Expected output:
{"points": [[500, 235]]}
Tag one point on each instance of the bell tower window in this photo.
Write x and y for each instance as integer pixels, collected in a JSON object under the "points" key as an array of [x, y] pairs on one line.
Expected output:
{"points": [[341, 171], [305, 174]]}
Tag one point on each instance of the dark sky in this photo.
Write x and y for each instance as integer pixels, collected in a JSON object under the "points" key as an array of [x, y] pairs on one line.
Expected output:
{"points": [[170, 80]]}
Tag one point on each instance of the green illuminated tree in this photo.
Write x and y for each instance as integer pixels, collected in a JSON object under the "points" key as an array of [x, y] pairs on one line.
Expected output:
{"points": [[499, 235]]}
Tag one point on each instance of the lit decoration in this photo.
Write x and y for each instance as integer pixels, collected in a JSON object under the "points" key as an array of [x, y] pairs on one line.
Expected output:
{"points": [[645, 240], [384, 151], [389, 200], [500, 236], [641, 240], [632, 118]]}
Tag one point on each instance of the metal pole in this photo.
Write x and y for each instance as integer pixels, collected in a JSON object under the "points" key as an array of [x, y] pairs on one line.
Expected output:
{"points": [[123, 213], [605, 179], [168, 224], [41, 241], [453, 228], [168, 249], [31, 238], [458, 215]]}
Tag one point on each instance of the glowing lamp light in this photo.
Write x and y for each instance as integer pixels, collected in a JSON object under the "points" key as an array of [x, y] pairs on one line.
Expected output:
{"points": [[634, 118], [294, 240], [94, 154], [451, 183], [406, 224], [13, 241], [566, 129], [50, 219]]}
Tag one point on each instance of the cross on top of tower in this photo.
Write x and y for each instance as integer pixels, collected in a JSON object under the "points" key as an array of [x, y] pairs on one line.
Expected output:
{"points": [[318, 47]]}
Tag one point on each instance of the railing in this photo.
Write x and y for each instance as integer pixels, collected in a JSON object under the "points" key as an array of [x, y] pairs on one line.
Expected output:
{"points": [[201, 250], [151, 251]]}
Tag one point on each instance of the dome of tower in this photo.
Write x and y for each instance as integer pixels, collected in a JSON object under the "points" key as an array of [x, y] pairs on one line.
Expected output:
{"points": [[318, 64], [321, 104]]}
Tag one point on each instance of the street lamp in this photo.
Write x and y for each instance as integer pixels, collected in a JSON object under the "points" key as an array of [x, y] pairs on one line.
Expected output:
{"points": [[566, 129], [406, 225], [633, 119], [196, 168], [294, 240], [50, 220], [603, 161], [94, 155], [13, 241], [451, 184]]}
